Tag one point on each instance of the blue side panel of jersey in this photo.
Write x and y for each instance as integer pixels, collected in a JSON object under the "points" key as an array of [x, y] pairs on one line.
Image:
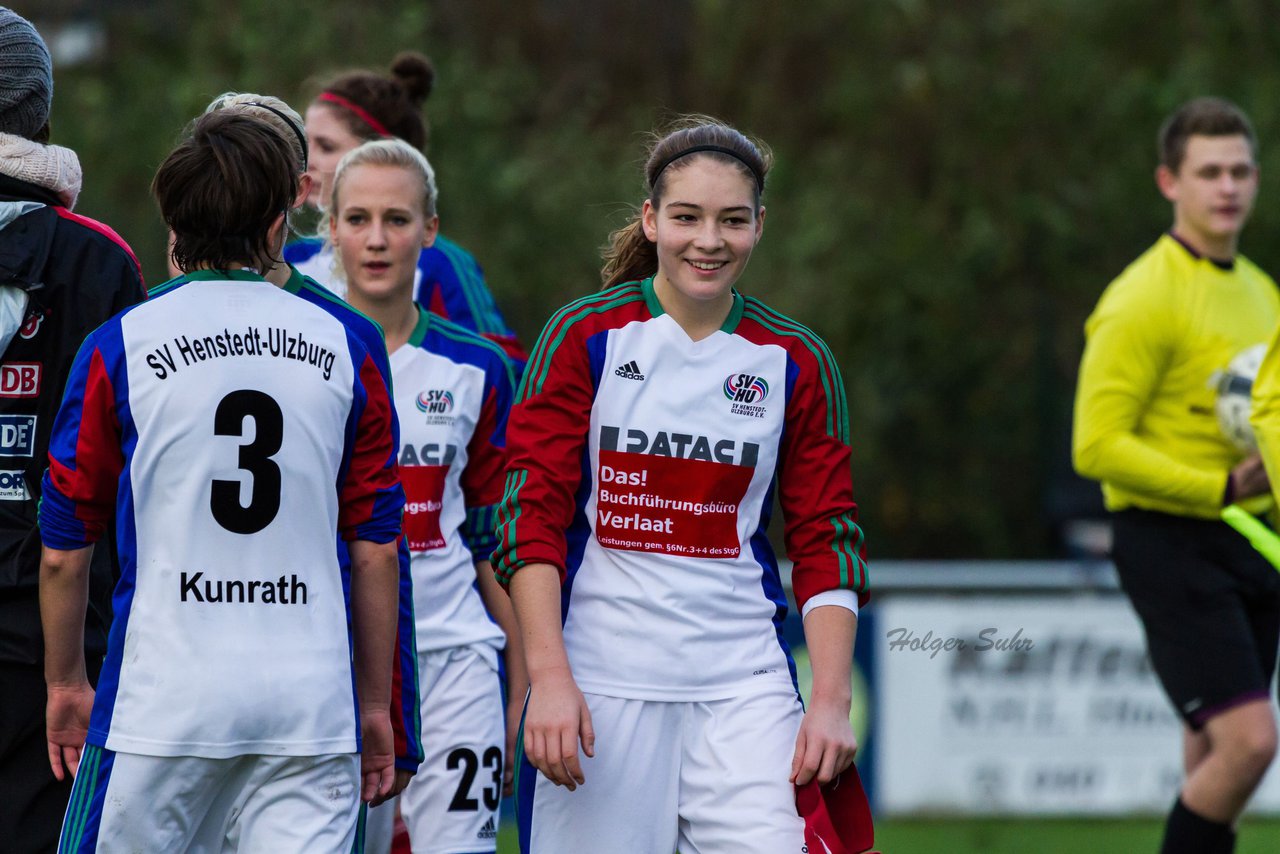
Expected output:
{"points": [[771, 578], [577, 535], [110, 343], [580, 530]]}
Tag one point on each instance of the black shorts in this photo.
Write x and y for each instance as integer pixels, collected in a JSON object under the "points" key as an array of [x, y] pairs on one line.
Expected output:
{"points": [[1209, 604]]}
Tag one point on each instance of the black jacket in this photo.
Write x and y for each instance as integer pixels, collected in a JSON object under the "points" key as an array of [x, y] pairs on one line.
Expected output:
{"points": [[77, 273]]}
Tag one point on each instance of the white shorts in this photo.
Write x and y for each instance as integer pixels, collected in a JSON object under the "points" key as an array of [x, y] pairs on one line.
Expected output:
{"points": [[709, 778], [377, 828], [131, 802], [451, 805]]}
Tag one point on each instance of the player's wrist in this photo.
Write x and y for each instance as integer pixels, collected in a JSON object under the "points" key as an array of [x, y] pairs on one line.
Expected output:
{"points": [[66, 680], [370, 711], [549, 674], [832, 700]]}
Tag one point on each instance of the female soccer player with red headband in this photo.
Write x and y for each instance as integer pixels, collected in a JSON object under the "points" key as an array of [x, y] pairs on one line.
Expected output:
{"points": [[359, 106]]}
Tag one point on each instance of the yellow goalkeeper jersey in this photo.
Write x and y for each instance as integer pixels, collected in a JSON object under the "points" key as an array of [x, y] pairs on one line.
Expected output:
{"points": [[1155, 345], [1265, 416]]}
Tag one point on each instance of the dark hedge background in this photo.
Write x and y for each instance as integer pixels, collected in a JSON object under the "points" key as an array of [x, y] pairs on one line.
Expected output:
{"points": [[955, 183]]}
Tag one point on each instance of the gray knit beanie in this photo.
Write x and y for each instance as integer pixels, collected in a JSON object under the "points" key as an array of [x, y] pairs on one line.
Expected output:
{"points": [[26, 77]]}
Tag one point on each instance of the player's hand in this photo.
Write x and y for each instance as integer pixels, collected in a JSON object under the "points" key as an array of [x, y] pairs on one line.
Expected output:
{"points": [[1249, 478], [398, 785], [556, 721], [515, 711], [67, 714], [825, 746], [377, 759]]}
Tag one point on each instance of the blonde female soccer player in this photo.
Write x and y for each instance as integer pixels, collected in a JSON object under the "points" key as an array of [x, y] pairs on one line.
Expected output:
{"points": [[655, 423], [453, 390]]}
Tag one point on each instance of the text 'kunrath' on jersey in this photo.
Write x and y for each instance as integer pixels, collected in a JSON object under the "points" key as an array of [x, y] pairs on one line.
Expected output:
{"points": [[644, 465], [235, 428]]}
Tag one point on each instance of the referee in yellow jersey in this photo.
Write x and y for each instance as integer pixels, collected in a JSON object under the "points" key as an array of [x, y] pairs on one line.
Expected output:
{"points": [[1145, 427]]}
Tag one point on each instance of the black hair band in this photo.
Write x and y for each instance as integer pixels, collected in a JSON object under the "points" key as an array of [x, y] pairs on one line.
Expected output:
{"points": [[719, 149], [302, 140]]}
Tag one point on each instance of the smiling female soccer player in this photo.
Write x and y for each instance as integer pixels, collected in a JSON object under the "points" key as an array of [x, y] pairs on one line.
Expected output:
{"points": [[654, 424], [452, 391]]}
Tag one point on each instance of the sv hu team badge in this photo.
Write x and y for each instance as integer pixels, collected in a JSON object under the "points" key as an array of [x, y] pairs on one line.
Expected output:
{"points": [[745, 388], [436, 401]]}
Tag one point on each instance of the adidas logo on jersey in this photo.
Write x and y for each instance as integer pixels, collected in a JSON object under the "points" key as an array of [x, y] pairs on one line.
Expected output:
{"points": [[489, 831], [629, 371]]}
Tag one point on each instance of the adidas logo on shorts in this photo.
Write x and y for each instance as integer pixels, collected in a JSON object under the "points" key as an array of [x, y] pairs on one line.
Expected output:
{"points": [[489, 831], [629, 371]]}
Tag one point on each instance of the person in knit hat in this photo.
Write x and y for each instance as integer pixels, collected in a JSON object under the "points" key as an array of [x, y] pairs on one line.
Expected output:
{"points": [[61, 275], [26, 78]]}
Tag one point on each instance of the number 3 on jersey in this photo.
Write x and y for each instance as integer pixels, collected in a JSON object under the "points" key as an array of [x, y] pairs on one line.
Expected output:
{"points": [[255, 458]]}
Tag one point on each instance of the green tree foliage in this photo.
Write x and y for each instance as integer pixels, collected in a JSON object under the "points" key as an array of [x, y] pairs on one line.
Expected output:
{"points": [[955, 183]]}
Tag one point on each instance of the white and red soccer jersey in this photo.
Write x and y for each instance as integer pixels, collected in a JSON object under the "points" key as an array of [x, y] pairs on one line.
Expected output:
{"points": [[643, 464], [453, 391], [232, 427]]}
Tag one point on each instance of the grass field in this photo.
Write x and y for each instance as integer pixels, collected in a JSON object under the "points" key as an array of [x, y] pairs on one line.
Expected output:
{"points": [[1025, 836]]}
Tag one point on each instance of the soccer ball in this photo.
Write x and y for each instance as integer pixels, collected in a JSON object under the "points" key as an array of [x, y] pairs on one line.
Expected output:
{"points": [[1232, 405]]}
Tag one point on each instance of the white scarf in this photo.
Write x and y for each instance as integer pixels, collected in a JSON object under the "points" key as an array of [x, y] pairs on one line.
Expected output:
{"points": [[49, 166]]}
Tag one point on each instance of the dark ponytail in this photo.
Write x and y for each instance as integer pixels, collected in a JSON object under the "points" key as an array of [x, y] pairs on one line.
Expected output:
{"points": [[630, 255], [393, 102]]}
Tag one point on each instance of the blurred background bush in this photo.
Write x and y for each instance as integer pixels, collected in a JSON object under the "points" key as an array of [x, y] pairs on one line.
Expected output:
{"points": [[955, 183]]}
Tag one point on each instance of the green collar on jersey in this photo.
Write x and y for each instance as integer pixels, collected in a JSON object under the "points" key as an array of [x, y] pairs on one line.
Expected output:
{"points": [[420, 328], [655, 307], [224, 275], [295, 281]]}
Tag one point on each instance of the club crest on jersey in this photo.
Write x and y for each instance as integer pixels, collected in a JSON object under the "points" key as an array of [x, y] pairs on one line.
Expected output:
{"points": [[436, 404], [746, 393]]}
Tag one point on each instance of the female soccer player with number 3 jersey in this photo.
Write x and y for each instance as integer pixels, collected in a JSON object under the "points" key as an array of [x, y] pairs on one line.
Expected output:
{"points": [[453, 390], [230, 428], [655, 422]]}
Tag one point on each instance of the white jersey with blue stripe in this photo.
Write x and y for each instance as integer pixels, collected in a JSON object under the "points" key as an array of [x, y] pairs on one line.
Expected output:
{"points": [[233, 428]]}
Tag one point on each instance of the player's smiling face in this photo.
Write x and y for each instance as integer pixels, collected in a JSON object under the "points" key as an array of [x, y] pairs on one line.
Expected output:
{"points": [[1212, 192], [379, 228], [328, 138], [705, 225]]}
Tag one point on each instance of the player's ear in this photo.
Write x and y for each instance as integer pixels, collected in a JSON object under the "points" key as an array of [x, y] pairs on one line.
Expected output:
{"points": [[276, 235], [1167, 181], [649, 221], [430, 232], [304, 189]]}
